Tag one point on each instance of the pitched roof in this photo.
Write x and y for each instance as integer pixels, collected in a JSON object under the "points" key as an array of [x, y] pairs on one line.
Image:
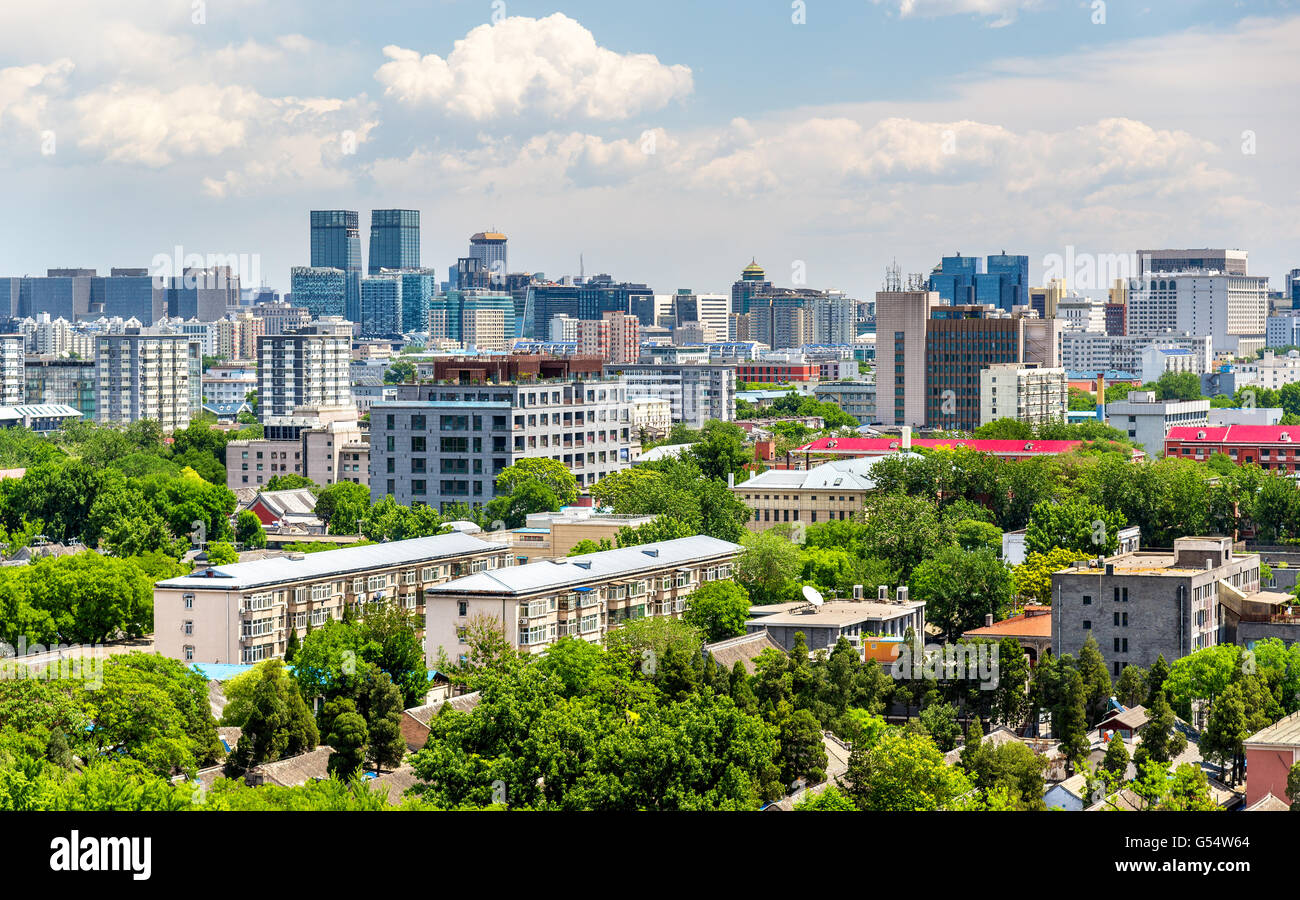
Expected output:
{"points": [[300, 501], [238, 576], [1236, 434], [885, 445], [578, 570], [744, 649], [1285, 731], [1269, 803], [295, 770], [425, 712], [1132, 719], [1038, 625]]}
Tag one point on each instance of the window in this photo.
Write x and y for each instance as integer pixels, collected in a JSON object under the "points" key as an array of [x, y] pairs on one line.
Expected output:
{"points": [[189, 652], [189, 601], [462, 608], [320, 591], [189, 627]]}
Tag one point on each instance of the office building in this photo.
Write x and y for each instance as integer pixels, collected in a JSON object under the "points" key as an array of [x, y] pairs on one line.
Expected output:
{"points": [[60, 381], [697, 392], [1143, 605], [902, 321], [320, 291], [1228, 262], [1147, 420], [381, 306], [1087, 352], [829, 492], [445, 443], [1231, 309], [960, 342], [394, 240], [543, 301], [489, 248], [243, 613], [582, 596], [325, 444], [144, 375], [856, 397], [75, 294], [753, 283], [1282, 331], [1024, 393], [336, 244], [484, 328]]}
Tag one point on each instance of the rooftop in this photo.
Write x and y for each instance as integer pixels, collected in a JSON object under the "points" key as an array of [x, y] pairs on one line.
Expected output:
{"points": [[830, 613], [891, 444], [845, 474], [576, 571], [1235, 434], [1284, 732], [265, 572], [1034, 622]]}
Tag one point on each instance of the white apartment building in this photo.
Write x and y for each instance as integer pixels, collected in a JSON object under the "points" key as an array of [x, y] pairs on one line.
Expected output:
{"points": [[1156, 361], [1025, 393], [1270, 371], [652, 415], [580, 596], [228, 384], [306, 369], [1082, 314], [1090, 352], [148, 376], [13, 375], [1231, 309], [243, 613], [697, 392]]}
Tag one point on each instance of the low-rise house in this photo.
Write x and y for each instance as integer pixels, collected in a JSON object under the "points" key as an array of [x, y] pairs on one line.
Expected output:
{"points": [[743, 649], [415, 721], [294, 771], [822, 625], [1270, 754], [1032, 629], [287, 509]]}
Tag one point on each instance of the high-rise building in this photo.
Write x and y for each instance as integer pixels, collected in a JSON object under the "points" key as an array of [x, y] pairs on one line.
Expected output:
{"points": [[1024, 393], [66, 382], [145, 375], [300, 374], [381, 306], [394, 240], [698, 392], [1001, 281], [902, 321], [336, 244], [418, 289], [206, 295], [593, 298], [753, 283], [954, 279], [489, 248], [960, 342], [74, 294], [1227, 262], [322, 291], [13, 378], [1230, 308], [484, 329]]}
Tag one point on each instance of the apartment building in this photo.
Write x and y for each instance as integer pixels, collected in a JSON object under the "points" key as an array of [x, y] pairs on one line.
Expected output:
{"points": [[243, 613], [66, 382], [306, 369], [148, 376], [697, 392], [579, 596], [331, 448], [446, 443], [229, 384], [857, 398], [1025, 393], [1231, 309], [13, 377], [1142, 605], [1087, 352]]}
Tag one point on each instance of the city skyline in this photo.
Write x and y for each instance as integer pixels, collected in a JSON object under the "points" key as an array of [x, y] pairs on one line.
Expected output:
{"points": [[1028, 140]]}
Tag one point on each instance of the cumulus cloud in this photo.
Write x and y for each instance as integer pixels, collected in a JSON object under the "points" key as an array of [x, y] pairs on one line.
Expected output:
{"points": [[25, 91], [552, 66]]}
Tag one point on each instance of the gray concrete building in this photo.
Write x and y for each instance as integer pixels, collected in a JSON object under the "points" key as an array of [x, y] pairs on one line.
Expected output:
{"points": [[1143, 605], [1147, 420], [448, 443]]}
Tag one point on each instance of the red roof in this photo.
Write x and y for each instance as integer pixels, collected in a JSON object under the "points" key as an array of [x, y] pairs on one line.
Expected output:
{"points": [[888, 444], [1236, 434]]}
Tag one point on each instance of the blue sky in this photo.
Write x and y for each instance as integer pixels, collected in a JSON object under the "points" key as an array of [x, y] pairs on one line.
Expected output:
{"points": [[667, 142]]}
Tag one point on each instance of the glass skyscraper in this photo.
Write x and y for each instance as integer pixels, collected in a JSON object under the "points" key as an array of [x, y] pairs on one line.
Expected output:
{"points": [[336, 244], [489, 248], [321, 290], [1004, 283], [381, 306], [394, 240]]}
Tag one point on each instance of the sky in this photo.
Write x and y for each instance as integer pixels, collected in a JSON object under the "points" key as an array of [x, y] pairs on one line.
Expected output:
{"points": [[667, 142]]}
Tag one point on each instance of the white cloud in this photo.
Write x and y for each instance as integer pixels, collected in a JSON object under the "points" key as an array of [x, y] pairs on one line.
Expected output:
{"points": [[552, 66], [25, 91], [1004, 10]]}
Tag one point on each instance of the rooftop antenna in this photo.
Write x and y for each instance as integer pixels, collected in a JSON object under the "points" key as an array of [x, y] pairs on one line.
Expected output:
{"points": [[582, 267], [893, 276]]}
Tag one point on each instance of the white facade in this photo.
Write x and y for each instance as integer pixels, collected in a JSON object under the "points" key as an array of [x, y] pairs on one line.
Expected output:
{"points": [[1228, 308], [1082, 314], [13, 376], [1271, 371], [148, 376], [1090, 352], [1147, 421], [1156, 361], [1026, 394]]}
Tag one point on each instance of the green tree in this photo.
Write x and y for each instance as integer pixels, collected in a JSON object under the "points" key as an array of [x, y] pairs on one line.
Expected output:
{"points": [[342, 506], [765, 568], [1131, 689], [831, 799], [249, 531], [903, 772], [1226, 732], [221, 553], [278, 723], [1116, 760], [1077, 525], [1096, 680], [719, 609], [961, 587], [348, 739], [289, 482], [400, 372], [1071, 719], [661, 528], [940, 722], [721, 450], [587, 545], [1033, 577], [548, 472]]}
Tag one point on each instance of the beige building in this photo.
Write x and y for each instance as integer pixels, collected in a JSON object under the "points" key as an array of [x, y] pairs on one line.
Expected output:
{"points": [[1024, 393], [653, 415], [484, 329], [242, 613], [580, 596], [328, 448], [833, 491], [902, 319]]}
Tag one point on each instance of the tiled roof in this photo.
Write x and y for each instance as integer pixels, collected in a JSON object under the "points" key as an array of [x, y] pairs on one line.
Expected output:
{"points": [[884, 445], [744, 650], [1023, 625], [1235, 434], [1285, 731]]}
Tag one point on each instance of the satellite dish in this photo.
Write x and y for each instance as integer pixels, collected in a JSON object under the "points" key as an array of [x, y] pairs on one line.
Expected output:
{"points": [[812, 595]]}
